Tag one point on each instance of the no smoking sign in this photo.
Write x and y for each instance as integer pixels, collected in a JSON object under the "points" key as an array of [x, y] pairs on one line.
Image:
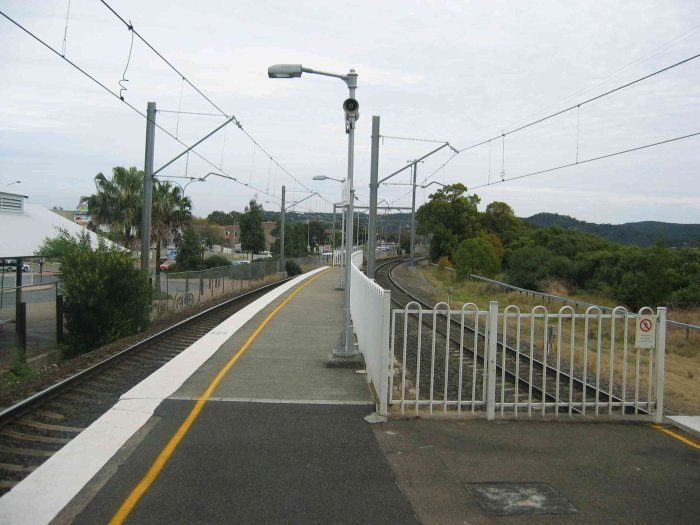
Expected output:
{"points": [[646, 332]]}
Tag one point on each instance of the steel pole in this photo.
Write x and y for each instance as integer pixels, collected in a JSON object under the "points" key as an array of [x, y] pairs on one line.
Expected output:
{"points": [[333, 239], [282, 230], [348, 343], [373, 189], [413, 216], [148, 186]]}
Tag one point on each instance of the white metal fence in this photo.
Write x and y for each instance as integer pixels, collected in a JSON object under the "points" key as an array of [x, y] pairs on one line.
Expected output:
{"points": [[369, 308], [517, 363]]}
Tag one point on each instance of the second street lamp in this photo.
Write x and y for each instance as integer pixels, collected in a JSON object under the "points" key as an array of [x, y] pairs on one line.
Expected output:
{"points": [[345, 350]]}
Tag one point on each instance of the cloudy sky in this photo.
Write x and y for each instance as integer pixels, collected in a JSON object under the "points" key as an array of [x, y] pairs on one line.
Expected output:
{"points": [[455, 71]]}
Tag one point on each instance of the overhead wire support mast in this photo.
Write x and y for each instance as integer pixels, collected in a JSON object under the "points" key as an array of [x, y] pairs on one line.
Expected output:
{"points": [[231, 119]]}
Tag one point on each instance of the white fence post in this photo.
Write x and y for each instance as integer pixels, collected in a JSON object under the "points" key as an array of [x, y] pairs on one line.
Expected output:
{"points": [[385, 359], [660, 355], [491, 347]]}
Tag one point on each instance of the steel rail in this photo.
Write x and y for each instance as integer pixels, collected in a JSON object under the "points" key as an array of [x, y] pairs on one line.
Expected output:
{"points": [[20, 408], [564, 378]]}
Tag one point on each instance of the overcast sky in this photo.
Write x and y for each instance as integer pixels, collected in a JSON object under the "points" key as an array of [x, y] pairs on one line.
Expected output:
{"points": [[461, 72]]}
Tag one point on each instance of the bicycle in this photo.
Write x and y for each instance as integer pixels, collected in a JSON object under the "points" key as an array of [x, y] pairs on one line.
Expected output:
{"points": [[183, 298]]}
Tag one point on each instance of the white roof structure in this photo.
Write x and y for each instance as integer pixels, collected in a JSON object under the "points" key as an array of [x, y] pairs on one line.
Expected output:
{"points": [[24, 227]]}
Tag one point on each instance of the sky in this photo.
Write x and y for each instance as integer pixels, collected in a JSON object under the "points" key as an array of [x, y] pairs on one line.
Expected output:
{"points": [[438, 71]]}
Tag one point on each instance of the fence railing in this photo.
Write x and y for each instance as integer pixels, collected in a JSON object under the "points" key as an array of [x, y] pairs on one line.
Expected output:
{"points": [[31, 324], [566, 300], [181, 290], [517, 363], [370, 311]]}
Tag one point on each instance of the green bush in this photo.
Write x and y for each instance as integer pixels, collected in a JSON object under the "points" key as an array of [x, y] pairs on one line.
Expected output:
{"points": [[216, 261], [189, 255], [105, 296], [292, 268]]}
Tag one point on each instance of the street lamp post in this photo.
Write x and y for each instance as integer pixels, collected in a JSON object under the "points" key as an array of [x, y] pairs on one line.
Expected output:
{"points": [[346, 346]]}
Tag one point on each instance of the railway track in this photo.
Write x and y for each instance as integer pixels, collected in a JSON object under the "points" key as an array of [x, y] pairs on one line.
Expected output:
{"points": [[520, 376], [34, 429]]}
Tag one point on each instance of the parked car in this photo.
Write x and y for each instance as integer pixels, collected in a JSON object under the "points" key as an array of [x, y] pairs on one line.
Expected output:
{"points": [[11, 266], [167, 263]]}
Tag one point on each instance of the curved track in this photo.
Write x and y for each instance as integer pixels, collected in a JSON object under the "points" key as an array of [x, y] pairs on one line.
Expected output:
{"points": [[516, 370], [32, 430]]}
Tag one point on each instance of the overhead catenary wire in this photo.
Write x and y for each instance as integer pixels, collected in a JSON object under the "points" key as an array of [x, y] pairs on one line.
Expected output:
{"points": [[588, 101], [65, 32], [412, 139], [565, 110], [237, 122], [579, 162], [116, 95]]}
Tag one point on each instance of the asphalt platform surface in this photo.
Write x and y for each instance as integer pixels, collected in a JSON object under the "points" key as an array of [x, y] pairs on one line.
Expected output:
{"points": [[283, 439]]}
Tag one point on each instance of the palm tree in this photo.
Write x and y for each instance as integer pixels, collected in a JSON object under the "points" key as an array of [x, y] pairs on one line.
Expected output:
{"points": [[117, 203], [171, 211]]}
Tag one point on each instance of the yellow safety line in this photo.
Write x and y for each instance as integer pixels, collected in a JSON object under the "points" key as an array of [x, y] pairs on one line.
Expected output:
{"points": [[165, 454], [677, 436]]}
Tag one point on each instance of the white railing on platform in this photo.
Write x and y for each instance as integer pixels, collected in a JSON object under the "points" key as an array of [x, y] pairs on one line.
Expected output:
{"points": [[526, 363], [370, 312], [339, 257]]}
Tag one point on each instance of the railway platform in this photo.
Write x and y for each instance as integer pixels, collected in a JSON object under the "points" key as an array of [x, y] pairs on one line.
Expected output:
{"points": [[249, 425]]}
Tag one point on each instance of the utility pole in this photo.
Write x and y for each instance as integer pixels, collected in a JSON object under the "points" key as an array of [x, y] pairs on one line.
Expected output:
{"points": [[282, 230], [373, 189], [413, 216], [148, 186]]}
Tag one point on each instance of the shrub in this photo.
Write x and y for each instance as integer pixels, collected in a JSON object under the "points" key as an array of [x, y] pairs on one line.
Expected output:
{"points": [[105, 296], [444, 262], [215, 261], [477, 256], [292, 268]]}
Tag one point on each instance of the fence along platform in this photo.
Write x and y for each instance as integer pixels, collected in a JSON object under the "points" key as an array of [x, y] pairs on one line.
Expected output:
{"points": [[525, 363]]}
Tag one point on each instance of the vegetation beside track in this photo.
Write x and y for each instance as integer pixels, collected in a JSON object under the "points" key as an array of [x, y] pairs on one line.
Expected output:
{"points": [[682, 350]]}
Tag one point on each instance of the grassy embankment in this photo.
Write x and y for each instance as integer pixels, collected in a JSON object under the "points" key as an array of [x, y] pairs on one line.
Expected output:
{"points": [[682, 378]]}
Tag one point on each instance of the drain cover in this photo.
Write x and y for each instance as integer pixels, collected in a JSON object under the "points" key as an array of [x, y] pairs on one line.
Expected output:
{"points": [[507, 499]]}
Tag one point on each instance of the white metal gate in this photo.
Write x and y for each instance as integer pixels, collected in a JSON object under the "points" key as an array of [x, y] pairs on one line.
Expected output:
{"points": [[515, 363]]}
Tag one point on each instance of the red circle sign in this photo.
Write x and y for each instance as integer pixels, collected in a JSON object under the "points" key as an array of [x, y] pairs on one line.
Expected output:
{"points": [[645, 325]]}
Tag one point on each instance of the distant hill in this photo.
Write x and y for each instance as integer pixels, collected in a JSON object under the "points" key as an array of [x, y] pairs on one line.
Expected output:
{"points": [[645, 233]]}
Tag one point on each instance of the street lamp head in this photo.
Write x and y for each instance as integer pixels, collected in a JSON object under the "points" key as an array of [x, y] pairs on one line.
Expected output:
{"points": [[326, 177], [284, 71]]}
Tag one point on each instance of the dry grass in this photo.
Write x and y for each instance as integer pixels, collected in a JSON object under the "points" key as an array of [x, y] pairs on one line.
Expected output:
{"points": [[682, 377]]}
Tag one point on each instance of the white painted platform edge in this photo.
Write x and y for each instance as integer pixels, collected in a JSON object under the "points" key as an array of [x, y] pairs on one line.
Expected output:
{"points": [[45, 492], [689, 423]]}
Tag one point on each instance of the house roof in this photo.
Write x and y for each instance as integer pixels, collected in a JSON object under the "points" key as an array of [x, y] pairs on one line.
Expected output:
{"points": [[21, 234]]}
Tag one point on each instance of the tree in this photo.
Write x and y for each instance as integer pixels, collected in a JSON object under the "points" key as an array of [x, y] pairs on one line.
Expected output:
{"points": [[106, 297], [222, 218], [295, 235], [117, 203], [476, 256], [451, 217], [252, 233], [189, 256], [171, 211]]}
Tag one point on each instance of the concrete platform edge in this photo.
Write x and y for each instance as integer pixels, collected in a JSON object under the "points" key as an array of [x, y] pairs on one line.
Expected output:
{"points": [[45, 492]]}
